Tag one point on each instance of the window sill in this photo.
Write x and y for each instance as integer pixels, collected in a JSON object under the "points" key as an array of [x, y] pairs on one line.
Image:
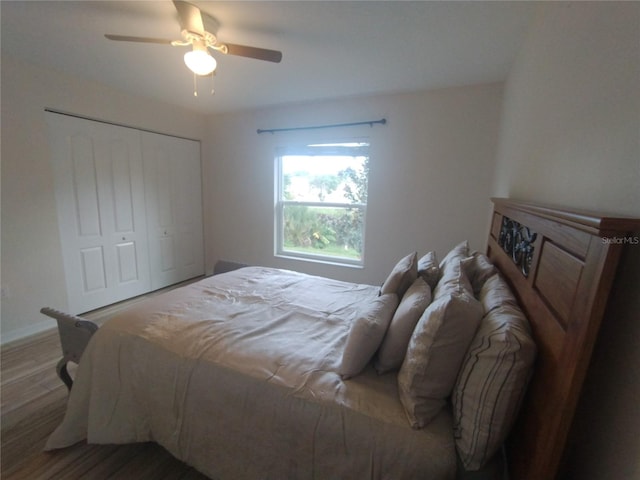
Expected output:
{"points": [[322, 261]]}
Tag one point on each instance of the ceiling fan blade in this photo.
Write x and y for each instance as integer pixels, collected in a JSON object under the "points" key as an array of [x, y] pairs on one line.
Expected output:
{"points": [[254, 52], [189, 17], [126, 38]]}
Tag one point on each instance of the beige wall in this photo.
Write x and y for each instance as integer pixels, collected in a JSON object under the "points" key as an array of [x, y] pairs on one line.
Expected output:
{"points": [[439, 143], [32, 271], [570, 132], [571, 136], [431, 168]]}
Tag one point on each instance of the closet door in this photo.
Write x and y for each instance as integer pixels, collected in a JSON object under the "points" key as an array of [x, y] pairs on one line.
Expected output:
{"points": [[101, 213], [173, 191]]}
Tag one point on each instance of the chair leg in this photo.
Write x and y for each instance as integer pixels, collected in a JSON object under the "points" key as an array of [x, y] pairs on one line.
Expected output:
{"points": [[61, 370]]}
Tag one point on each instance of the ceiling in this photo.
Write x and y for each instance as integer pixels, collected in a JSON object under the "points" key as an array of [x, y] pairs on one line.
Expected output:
{"points": [[331, 49]]}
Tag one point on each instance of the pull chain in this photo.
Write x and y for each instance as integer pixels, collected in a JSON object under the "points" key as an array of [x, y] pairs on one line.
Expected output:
{"points": [[195, 84]]}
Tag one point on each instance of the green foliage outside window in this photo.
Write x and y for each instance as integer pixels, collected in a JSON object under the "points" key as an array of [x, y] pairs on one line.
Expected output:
{"points": [[324, 199], [331, 230]]}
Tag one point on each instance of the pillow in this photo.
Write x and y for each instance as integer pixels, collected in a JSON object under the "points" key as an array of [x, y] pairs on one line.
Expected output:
{"points": [[478, 268], [402, 276], [395, 342], [495, 292], [366, 334], [458, 252], [491, 384], [453, 280], [436, 349], [428, 269]]}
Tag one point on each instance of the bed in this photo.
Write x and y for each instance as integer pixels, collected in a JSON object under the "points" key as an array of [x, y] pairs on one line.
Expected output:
{"points": [[265, 373]]}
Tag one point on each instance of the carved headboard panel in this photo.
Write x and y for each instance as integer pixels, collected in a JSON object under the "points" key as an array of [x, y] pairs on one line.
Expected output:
{"points": [[561, 265]]}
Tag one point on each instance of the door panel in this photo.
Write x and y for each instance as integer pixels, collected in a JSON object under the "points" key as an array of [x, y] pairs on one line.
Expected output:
{"points": [[162, 186], [101, 213], [167, 264], [85, 188], [127, 262], [122, 189], [187, 254], [173, 192], [129, 239], [129, 210], [93, 271]]}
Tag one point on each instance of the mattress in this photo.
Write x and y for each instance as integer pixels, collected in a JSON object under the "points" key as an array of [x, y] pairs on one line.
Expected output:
{"points": [[236, 375]]}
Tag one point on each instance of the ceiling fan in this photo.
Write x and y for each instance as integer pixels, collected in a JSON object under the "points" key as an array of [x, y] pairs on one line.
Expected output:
{"points": [[199, 31]]}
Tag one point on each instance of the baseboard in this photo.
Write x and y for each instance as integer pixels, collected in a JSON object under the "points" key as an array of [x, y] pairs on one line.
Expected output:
{"points": [[27, 333]]}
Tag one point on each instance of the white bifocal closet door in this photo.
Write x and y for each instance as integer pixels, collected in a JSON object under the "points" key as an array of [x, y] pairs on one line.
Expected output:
{"points": [[101, 212], [173, 192]]}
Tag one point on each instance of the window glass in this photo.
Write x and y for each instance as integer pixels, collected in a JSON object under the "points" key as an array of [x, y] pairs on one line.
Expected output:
{"points": [[322, 199]]}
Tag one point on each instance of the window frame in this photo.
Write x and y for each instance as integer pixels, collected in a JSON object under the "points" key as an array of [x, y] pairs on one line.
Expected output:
{"points": [[280, 203]]}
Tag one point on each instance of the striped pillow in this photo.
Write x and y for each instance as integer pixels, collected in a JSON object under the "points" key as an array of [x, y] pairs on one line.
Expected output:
{"points": [[491, 383], [436, 349]]}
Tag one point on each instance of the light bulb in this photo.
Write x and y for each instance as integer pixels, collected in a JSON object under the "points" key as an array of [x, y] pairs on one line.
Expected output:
{"points": [[199, 61]]}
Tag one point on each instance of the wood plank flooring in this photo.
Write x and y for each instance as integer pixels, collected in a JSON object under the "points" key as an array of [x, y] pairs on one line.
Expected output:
{"points": [[33, 401]]}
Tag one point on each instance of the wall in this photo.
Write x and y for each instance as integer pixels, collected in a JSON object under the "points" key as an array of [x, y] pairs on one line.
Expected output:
{"points": [[430, 174], [32, 269], [439, 143], [570, 135]]}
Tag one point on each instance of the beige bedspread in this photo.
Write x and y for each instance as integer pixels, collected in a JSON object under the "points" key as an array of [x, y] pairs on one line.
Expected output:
{"points": [[235, 375]]}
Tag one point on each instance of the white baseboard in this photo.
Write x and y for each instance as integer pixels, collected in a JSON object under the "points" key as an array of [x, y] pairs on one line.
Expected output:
{"points": [[22, 333]]}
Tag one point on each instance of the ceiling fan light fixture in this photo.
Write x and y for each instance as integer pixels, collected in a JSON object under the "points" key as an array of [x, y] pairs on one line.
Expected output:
{"points": [[199, 61]]}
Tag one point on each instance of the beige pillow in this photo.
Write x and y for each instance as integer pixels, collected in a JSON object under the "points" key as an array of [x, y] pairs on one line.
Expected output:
{"points": [[402, 276], [495, 292], [428, 268], [366, 334], [491, 384], [453, 279], [478, 268], [436, 349], [395, 342], [458, 252]]}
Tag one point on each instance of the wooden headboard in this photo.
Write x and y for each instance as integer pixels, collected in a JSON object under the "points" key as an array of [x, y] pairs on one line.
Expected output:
{"points": [[561, 265]]}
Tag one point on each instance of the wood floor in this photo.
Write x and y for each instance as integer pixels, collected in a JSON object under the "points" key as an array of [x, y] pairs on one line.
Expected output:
{"points": [[33, 404]]}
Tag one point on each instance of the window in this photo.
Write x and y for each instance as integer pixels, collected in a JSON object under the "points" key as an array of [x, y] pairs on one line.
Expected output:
{"points": [[322, 201]]}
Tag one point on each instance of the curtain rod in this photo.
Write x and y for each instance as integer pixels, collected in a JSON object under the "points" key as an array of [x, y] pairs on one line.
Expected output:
{"points": [[371, 123]]}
